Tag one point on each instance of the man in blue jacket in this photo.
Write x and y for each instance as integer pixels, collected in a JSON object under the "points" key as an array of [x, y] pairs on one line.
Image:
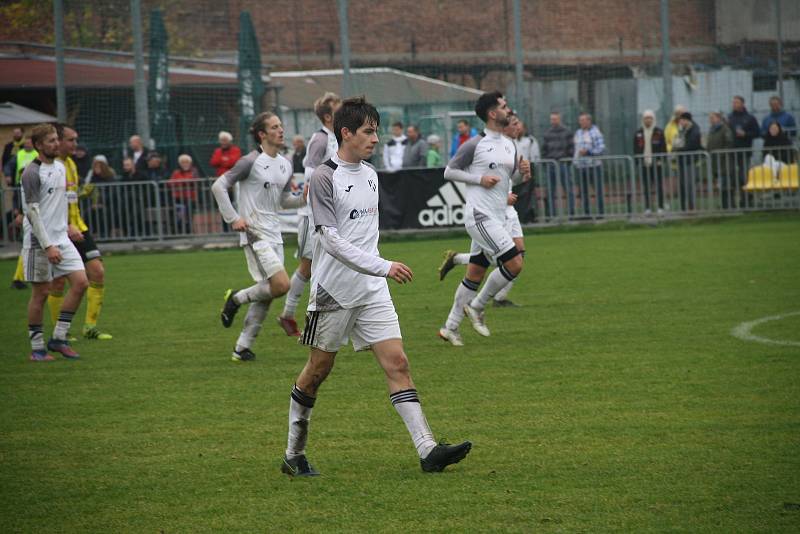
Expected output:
{"points": [[779, 115]]}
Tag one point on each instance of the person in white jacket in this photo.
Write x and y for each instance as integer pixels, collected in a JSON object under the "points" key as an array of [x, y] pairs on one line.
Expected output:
{"points": [[393, 150]]}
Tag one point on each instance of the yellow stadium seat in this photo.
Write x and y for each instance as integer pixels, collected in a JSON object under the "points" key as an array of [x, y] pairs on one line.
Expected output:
{"points": [[761, 179]]}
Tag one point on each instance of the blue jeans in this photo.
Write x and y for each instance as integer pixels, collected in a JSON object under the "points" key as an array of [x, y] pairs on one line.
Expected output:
{"points": [[566, 184], [592, 175]]}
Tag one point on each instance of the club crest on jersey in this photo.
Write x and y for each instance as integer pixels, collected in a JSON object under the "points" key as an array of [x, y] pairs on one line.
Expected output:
{"points": [[373, 185], [283, 168], [508, 150]]}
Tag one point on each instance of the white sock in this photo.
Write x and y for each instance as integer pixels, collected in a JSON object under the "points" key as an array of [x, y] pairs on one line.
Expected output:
{"points": [[37, 338], [407, 405], [254, 293], [464, 293], [252, 324], [296, 287], [462, 258], [300, 406], [503, 293], [62, 325], [496, 281]]}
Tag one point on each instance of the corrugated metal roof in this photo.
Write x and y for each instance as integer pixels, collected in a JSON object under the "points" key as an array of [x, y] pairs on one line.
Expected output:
{"points": [[12, 114]]}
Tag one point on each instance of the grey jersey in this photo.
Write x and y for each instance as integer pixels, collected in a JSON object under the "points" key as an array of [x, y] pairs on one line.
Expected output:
{"points": [[261, 179], [490, 153], [321, 147], [45, 184], [345, 196]]}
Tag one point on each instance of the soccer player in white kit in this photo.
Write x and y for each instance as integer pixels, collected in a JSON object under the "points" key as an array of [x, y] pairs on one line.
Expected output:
{"points": [[321, 147], [47, 251], [512, 225], [264, 179], [349, 294], [486, 163]]}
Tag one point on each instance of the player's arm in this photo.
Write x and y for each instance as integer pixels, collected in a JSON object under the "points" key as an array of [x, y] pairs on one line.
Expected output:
{"points": [[32, 187], [223, 184], [456, 167], [288, 199]]}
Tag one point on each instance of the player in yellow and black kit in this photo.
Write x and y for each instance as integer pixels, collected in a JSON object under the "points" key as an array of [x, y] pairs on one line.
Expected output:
{"points": [[79, 234]]}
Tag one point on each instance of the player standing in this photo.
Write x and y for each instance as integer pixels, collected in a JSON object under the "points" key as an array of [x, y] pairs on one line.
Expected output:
{"points": [[486, 164], [79, 234], [321, 147], [512, 226], [264, 178], [349, 294], [46, 248]]}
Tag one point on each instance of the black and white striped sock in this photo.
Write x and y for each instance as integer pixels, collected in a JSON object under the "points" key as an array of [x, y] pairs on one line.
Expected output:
{"points": [[62, 325], [37, 338]]}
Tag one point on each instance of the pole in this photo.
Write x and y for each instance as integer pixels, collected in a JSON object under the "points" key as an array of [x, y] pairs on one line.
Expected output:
{"points": [[780, 48], [139, 84], [61, 92], [520, 99], [344, 37], [666, 64]]}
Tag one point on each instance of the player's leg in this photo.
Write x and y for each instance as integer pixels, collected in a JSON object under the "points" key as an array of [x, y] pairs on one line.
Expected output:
{"points": [[501, 298], [37, 271], [451, 259], [72, 267], [95, 272], [465, 292], [300, 278], [56, 297], [324, 332], [377, 327]]}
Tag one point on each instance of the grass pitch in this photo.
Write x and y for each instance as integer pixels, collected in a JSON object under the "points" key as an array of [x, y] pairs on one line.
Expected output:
{"points": [[615, 399]]}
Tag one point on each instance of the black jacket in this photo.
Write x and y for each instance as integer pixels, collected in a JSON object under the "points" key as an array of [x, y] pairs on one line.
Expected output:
{"points": [[557, 143], [692, 140], [657, 140], [748, 123]]}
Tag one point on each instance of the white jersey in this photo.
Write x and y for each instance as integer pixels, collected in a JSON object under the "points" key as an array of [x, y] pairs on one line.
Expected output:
{"points": [[321, 147], [261, 180], [490, 153], [45, 184], [345, 196]]}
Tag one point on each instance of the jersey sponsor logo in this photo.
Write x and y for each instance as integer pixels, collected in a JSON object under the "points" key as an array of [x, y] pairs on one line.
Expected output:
{"points": [[349, 187], [446, 207], [363, 212], [493, 165]]}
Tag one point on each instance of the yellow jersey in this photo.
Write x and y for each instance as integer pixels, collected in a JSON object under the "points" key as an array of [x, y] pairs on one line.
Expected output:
{"points": [[73, 194]]}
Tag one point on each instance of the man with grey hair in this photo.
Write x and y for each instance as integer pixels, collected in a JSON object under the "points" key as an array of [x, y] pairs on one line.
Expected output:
{"points": [[226, 155]]}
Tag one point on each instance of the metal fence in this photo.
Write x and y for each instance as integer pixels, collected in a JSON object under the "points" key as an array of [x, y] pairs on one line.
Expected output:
{"points": [[607, 187]]}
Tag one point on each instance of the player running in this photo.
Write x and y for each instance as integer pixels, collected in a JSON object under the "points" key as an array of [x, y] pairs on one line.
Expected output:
{"points": [[486, 163], [512, 226], [264, 179], [321, 147], [46, 248], [349, 294], [79, 234]]}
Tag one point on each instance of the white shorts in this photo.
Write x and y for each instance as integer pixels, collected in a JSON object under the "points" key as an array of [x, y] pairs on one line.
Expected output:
{"points": [[305, 234], [491, 238], [513, 227], [366, 325], [264, 259], [37, 268]]}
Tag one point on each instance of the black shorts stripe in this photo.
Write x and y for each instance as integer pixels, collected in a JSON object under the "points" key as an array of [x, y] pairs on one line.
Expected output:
{"points": [[310, 331], [487, 237]]}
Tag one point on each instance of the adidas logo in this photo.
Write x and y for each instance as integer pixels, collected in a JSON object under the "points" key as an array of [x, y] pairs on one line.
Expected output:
{"points": [[446, 207]]}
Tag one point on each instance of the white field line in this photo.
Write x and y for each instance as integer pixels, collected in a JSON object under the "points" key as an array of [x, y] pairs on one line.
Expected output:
{"points": [[744, 331]]}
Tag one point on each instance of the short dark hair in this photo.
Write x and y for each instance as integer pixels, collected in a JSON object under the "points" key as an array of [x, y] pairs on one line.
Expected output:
{"points": [[353, 114], [258, 125], [397, 124], [486, 103], [739, 97], [465, 122], [60, 127]]}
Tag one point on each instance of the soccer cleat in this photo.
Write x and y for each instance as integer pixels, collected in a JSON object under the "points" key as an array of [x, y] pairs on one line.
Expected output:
{"points": [[62, 346], [18, 284], [298, 467], [229, 309], [92, 332], [244, 355], [451, 336], [448, 263], [41, 356], [476, 318], [443, 455], [505, 303], [289, 326]]}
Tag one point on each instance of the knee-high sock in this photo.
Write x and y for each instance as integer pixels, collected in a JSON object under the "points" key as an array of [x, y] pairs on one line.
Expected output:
{"points": [[19, 273], [503, 293], [252, 324], [54, 301], [255, 293], [464, 293], [407, 404], [94, 302], [462, 258], [296, 287], [496, 281], [300, 406]]}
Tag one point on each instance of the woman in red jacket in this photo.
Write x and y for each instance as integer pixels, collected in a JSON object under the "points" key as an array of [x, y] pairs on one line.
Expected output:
{"points": [[226, 155]]}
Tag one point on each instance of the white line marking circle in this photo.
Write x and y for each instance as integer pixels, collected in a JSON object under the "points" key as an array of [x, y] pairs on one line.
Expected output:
{"points": [[744, 331]]}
